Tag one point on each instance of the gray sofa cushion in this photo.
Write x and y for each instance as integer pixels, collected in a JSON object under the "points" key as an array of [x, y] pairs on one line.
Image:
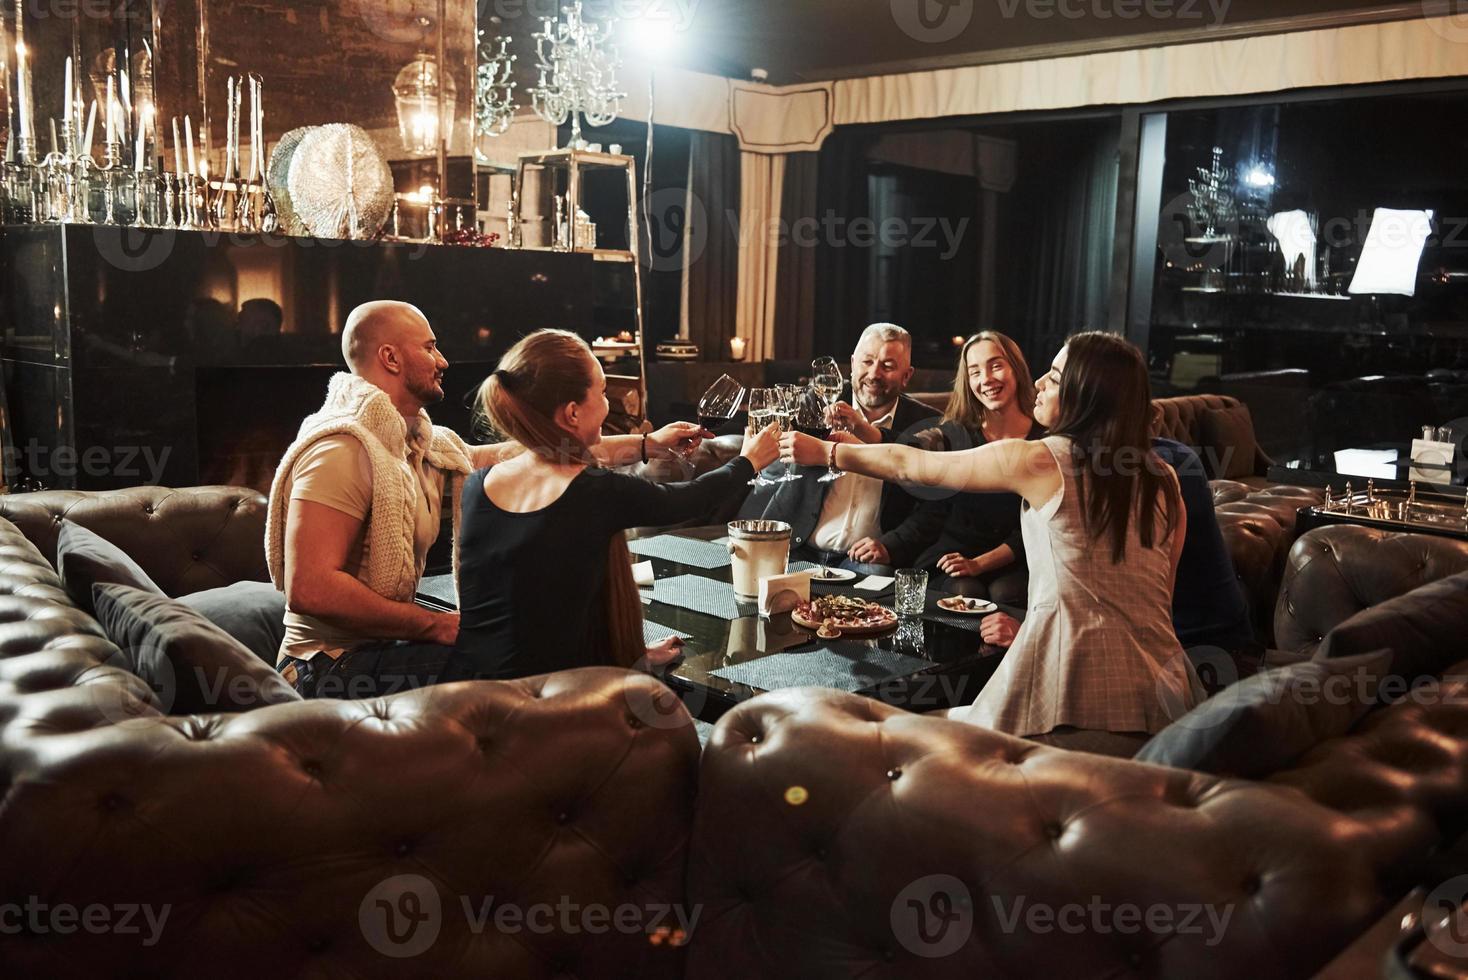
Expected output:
{"points": [[191, 664], [251, 612], [85, 558], [1261, 725]]}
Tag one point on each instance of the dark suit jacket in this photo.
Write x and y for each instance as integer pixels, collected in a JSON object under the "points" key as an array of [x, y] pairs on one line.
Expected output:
{"points": [[799, 503]]}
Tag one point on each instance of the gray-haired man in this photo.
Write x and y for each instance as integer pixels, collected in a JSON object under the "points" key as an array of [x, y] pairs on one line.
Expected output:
{"points": [[843, 523]]}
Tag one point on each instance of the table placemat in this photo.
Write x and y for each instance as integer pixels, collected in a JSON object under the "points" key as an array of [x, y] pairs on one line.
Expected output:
{"points": [[684, 551], [653, 633], [703, 595], [849, 667], [440, 587]]}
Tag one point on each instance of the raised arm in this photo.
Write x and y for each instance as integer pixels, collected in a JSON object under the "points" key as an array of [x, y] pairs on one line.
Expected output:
{"points": [[1013, 465]]}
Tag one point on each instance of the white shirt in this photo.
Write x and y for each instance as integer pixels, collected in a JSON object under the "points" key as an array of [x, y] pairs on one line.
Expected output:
{"points": [[853, 507]]}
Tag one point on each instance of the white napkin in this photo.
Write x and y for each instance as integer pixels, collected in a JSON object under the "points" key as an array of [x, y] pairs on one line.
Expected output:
{"points": [[875, 583], [642, 574], [1392, 252]]}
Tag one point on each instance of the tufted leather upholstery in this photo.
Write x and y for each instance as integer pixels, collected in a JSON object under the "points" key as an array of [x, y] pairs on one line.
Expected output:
{"points": [[1259, 528], [1334, 572], [186, 540], [886, 798], [266, 832]]}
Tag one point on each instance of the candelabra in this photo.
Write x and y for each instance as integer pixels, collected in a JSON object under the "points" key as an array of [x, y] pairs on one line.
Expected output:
{"points": [[578, 65], [1213, 206], [494, 94]]}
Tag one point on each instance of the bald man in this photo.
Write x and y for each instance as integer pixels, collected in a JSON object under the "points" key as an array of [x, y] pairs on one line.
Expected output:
{"points": [[357, 503]]}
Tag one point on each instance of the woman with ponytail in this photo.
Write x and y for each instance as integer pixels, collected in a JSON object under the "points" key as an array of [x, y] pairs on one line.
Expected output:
{"points": [[545, 578]]}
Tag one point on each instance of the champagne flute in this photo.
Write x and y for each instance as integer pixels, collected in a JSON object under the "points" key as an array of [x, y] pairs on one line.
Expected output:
{"points": [[827, 381], [788, 398], [715, 409], [763, 410]]}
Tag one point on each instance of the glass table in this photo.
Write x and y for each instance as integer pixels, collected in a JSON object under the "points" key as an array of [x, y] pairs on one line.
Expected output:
{"points": [[731, 653]]}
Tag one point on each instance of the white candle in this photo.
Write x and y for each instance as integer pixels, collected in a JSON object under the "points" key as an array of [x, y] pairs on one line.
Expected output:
{"points": [[177, 149], [189, 142], [91, 128], [66, 115], [111, 109], [23, 92], [138, 145], [736, 348]]}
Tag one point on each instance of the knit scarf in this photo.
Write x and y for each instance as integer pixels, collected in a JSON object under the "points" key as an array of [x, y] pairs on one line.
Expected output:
{"points": [[364, 411]]}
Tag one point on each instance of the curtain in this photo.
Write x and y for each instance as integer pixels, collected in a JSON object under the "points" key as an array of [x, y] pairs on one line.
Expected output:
{"points": [[795, 276], [1067, 231], [711, 249], [761, 192]]}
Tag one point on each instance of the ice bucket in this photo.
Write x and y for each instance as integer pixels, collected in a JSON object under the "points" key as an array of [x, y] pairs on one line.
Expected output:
{"points": [[759, 549]]}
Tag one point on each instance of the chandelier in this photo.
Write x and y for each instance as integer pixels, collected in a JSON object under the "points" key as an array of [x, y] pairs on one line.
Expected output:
{"points": [[494, 96], [417, 91], [578, 66]]}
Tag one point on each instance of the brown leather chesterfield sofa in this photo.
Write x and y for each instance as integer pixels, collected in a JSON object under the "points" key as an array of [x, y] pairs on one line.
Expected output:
{"points": [[307, 839]]}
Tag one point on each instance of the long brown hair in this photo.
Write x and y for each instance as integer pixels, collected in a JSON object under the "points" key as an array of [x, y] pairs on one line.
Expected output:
{"points": [[545, 370], [964, 406], [1105, 409]]}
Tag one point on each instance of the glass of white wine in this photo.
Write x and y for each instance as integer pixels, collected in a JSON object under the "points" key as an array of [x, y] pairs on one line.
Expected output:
{"points": [[763, 411], [827, 381]]}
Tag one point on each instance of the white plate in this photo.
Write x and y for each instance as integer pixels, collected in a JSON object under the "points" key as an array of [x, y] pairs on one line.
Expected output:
{"points": [[827, 574], [981, 607]]}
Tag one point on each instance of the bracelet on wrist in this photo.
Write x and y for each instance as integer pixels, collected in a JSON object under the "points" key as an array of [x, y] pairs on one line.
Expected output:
{"points": [[644, 447], [832, 460]]}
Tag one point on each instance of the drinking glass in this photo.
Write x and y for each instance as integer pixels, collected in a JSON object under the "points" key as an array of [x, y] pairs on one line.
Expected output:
{"points": [[912, 592], [763, 410], [715, 408], [788, 400], [827, 381]]}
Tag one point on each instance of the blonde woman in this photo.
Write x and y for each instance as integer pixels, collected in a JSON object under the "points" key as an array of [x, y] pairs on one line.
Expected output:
{"points": [[545, 578], [972, 540]]}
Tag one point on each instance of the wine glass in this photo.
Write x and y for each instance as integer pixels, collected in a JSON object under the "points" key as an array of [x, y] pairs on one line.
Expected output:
{"points": [[715, 408], [763, 410], [788, 398], [827, 381]]}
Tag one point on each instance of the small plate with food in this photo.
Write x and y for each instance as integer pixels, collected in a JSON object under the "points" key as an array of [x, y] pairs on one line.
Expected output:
{"points": [[825, 574], [839, 615], [967, 607]]}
